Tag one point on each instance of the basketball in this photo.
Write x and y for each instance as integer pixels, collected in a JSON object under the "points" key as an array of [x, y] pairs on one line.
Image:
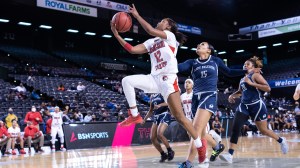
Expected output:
{"points": [[123, 21]]}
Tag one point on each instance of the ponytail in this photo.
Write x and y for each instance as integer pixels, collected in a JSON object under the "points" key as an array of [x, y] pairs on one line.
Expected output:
{"points": [[256, 62], [180, 37]]}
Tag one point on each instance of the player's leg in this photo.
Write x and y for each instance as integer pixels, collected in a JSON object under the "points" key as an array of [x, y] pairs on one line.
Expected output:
{"points": [[239, 119], [61, 137], [41, 142], [54, 131], [143, 82], [170, 92], [28, 140], [13, 143], [156, 144], [21, 142], [259, 116], [8, 145], [163, 125]]}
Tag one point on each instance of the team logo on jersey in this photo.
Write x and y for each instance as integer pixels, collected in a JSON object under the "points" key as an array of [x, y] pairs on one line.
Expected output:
{"points": [[211, 106], [164, 78], [265, 115]]}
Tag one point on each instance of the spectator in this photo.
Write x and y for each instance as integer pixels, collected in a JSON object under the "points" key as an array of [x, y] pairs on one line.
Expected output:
{"points": [[4, 138], [31, 78], [217, 126], [121, 116], [20, 88], [73, 87], [61, 87], [32, 134], [74, 105], [15, 133], [33, 117], [80, 116], [88, 117], [20, 91], [80, 86], [94, 118], [110, 105], [10, 116], [34, 95], [76, 117], [65, 117]]}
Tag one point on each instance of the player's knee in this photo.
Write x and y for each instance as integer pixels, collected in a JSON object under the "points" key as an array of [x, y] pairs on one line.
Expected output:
{"points": [[153, 138], [264, 131], [125, 80], [160, 135]]}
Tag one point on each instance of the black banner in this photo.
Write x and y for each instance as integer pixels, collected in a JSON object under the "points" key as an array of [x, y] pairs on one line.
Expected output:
{"points": [[79, 136]]}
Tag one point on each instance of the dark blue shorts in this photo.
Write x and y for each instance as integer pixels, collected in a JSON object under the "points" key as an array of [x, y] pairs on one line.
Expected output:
{"points": [[162, 118], [257, 110], [206, 101]]}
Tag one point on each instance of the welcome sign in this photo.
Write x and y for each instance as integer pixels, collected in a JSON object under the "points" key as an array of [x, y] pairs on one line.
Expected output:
{"points": [[67, 7], [284, 82]]}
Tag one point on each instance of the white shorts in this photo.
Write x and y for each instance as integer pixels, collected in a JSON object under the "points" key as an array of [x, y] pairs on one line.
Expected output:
{"points": [[164, 84], [57, 130]]}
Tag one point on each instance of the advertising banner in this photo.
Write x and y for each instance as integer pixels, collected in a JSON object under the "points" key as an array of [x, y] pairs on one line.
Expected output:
{"points": [[67, 7], [80, 136], [122, 67], [284, 82], [279, 30], [189, 29], [269, 25], [104, 4]]}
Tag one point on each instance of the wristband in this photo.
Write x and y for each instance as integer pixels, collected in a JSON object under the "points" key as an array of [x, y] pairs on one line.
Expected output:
{"points": [[127, 47]]}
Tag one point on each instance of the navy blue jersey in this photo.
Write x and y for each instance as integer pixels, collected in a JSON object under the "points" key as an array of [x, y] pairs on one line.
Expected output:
{"points": [[157, 99], [205, 72], [250, 94]]}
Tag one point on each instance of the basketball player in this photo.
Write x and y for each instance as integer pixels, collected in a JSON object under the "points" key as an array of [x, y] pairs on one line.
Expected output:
{"points": [[163, 78], [297, 109], [15, 133], [251, 105], [211, 135], [297, 93], [56, 128], [204, 71], [162, 119]]}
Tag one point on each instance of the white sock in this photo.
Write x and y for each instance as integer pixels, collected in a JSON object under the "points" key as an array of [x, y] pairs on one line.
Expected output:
{"points": [[198, 142], [134, 112]]}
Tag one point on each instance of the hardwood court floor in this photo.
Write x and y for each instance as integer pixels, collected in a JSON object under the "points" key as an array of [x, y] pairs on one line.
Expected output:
{"points": [[255, 151]]}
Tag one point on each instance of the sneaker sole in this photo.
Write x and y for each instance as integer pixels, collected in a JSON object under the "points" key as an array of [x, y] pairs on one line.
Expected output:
{"points": [[222, 158]]}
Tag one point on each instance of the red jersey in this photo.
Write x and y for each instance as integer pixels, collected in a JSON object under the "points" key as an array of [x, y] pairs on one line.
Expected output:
{"points": [[31, 116], [31, 131], [48, 126], [3, 131]]}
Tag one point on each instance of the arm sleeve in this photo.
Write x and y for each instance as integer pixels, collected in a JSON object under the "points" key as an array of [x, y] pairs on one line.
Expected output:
{"points": [[227, 71], [185, 66]]}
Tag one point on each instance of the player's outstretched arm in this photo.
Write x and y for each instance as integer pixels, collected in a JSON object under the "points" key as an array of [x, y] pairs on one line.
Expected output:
{"points": [[138, 49], [146, 26]]}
